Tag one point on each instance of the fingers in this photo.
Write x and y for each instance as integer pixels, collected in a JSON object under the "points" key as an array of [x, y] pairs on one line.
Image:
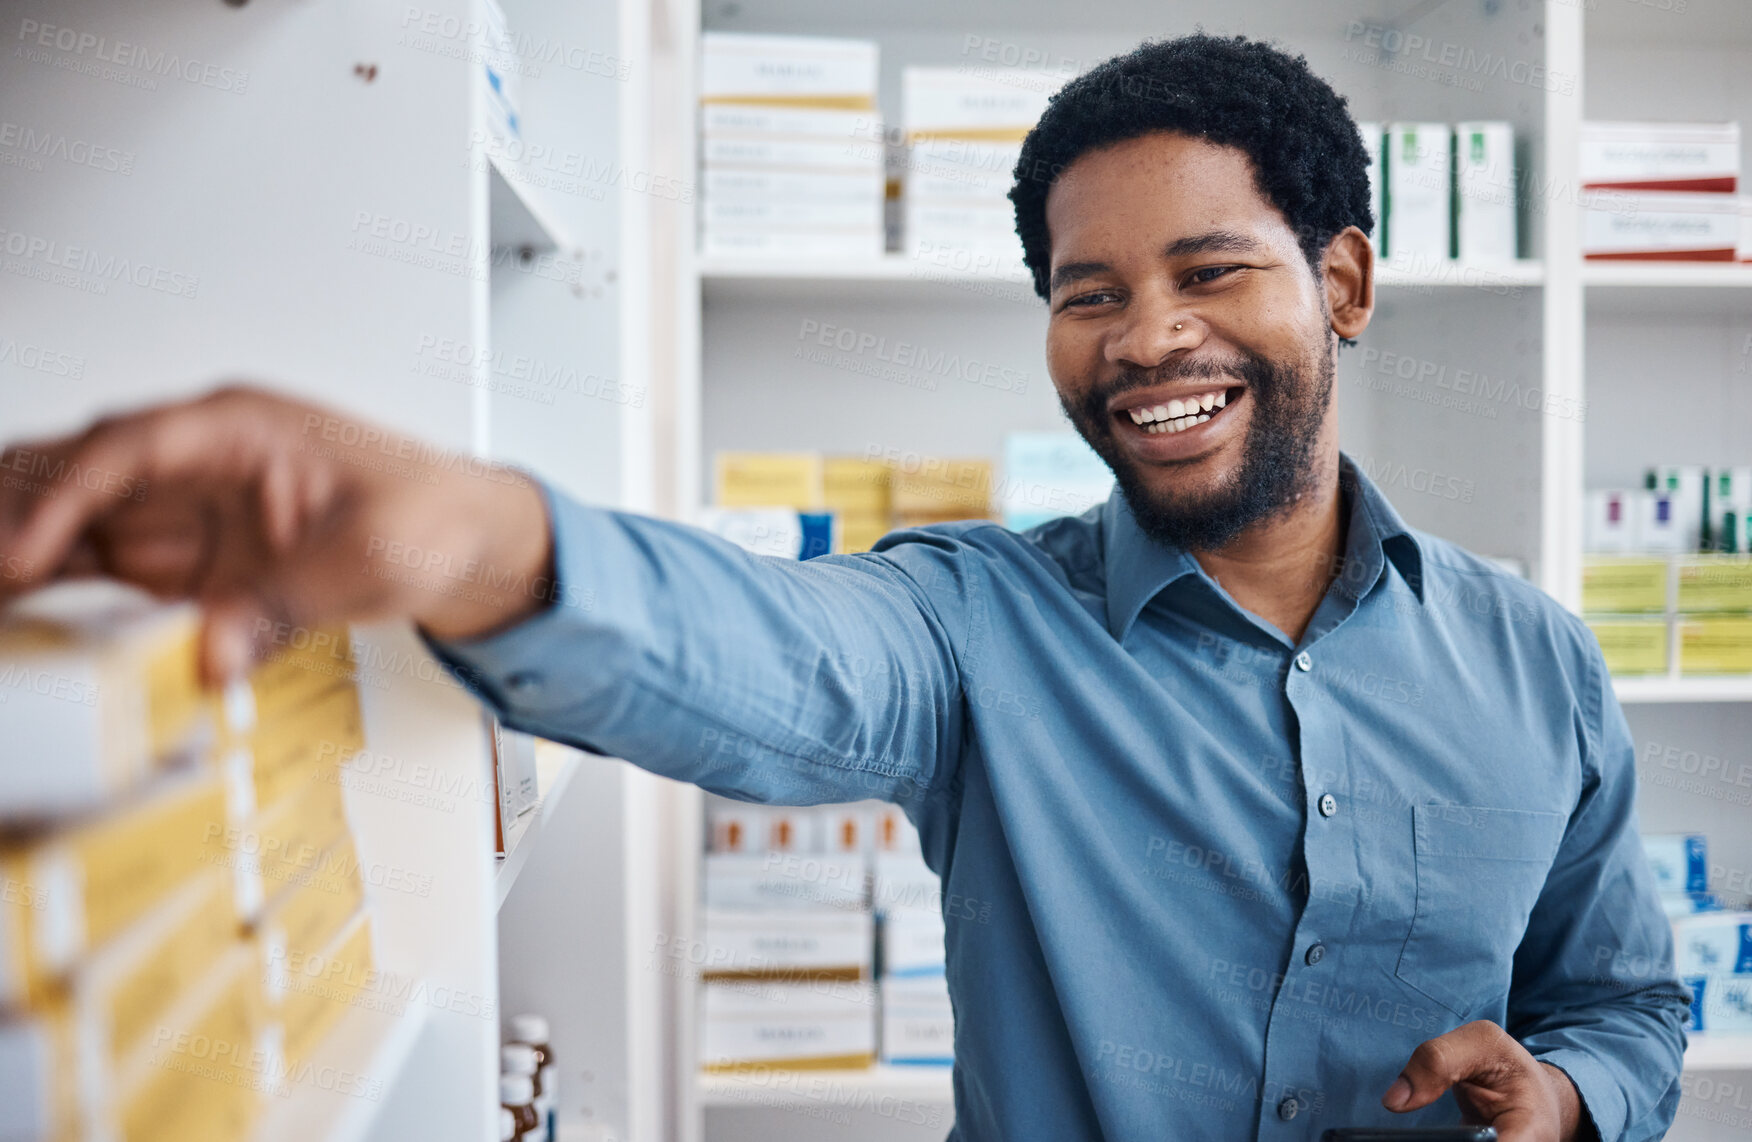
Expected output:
{"points": [[1476, 1051]]}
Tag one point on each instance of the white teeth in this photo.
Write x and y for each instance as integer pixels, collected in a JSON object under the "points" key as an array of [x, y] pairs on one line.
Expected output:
{"points": [[1175, 408], [1205, 401], [1222, 398], [1202, 418], [1137, 415], [1161, 412]]}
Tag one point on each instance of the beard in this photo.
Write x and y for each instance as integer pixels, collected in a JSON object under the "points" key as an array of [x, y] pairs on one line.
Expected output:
{"points": [[1277, 458]]}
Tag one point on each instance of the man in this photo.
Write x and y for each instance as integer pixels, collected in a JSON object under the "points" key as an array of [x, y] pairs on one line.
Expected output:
{"points": [[1278, 815]]}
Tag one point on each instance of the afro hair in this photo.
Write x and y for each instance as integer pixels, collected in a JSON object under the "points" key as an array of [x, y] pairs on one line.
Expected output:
{"points": [[1308, 157]]}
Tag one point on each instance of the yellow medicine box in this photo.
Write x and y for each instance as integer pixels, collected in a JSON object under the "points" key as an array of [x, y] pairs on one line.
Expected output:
{"points": [[1715, 583], [1715, 645], [1633, 585], [1631, 644]]}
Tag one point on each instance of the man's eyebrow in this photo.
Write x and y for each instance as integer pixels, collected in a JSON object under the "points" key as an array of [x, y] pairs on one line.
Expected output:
{"points": [[1210, 242], [1213, 242], [1071, 271]]}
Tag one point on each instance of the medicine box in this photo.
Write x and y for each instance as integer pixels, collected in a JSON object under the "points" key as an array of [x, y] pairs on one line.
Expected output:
{"points": [[1680, 861], [787, 881], [1631, 644], [1714, 583], [1624, 585], [788, 945], [1715, 645], [912, 942], [824, 1024], [1661, 156], [1713, 943], [788, 70], [1484, 191], [1720, 1004], [1416, 162], [1660, 226], [918, 1022]]}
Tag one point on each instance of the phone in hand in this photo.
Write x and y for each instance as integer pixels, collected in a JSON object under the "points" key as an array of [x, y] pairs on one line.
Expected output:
{"points": [[1411, 1134]]}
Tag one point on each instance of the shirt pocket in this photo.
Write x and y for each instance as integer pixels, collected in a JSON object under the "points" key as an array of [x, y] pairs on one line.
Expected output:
{"points": [[1479, 873]]}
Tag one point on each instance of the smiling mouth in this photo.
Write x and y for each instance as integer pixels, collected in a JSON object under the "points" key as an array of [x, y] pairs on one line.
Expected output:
{"points": [[1181, 414]]}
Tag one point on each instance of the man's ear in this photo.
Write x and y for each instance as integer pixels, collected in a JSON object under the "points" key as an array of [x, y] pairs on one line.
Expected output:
{"points": [[1348, 274]]}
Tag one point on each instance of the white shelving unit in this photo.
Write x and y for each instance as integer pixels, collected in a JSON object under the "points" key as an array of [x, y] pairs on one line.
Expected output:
{"points": [[1549, 325], [314, 205]]}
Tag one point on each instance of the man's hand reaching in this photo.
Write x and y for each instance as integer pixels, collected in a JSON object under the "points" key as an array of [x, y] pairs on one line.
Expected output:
{"points": [[1495, 1081], [265, 510]]}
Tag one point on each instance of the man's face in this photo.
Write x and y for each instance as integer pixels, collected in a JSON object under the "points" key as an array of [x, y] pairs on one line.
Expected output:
{"points": [[1189, 340]]}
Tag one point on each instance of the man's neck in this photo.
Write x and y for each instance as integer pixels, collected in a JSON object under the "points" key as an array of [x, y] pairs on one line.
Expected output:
{"points": [[1280, 568]]}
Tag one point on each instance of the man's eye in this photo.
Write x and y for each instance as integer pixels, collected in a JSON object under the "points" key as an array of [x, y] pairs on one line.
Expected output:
{"points": [[1209, 274], [1095, 297]]}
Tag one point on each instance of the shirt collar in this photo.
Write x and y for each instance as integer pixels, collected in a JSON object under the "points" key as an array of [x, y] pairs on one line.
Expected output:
{"points": [[1139, 568]]}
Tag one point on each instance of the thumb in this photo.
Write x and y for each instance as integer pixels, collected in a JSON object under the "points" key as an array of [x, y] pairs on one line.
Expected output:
{"points": [[1438, 1064], [229, 630]]}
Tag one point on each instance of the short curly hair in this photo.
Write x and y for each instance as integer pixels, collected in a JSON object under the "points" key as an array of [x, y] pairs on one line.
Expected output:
{"points": [[1308, 157]]}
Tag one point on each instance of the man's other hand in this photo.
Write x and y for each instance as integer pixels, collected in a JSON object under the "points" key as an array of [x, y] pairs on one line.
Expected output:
{"points": [[265, 510], [1495, 1081]]}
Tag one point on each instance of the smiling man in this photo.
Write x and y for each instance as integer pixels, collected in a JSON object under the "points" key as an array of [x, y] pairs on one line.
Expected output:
{"points": [[1279, 815]]}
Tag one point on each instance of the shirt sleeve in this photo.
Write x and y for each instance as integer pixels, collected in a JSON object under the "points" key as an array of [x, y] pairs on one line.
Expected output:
{"points": [[1594, 991], [762, 679]]}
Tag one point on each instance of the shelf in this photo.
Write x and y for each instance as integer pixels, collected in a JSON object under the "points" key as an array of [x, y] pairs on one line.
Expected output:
{"points": [[897, 276], [1668, 275], [774, 1088], [516, 220], [1719, 1053], [373, 1045], [1727, 688], [554, 769]]}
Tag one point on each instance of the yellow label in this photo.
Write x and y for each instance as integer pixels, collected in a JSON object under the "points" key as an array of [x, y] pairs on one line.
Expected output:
{"points": [[298, 747], [860, 535], [188, 952], [322, 987], [1624, 586], [1632, 646], [1714, 583], [769, 480], [1715, 646], [202, 1079], [293, 672], [828, 102], [308, 915]]}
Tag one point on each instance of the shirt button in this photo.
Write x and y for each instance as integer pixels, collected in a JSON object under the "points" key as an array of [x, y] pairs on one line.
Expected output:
{"points": [[1304, 661], [523, 684], [1316, 953], [1328, 804], [1288, 1107]]}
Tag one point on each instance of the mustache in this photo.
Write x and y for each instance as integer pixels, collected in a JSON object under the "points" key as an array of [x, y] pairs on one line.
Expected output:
{"points": [[1253, 371]]}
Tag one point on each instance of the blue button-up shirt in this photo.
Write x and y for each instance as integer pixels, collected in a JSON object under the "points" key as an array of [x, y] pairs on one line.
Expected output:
{"points": [[1210, 883]]}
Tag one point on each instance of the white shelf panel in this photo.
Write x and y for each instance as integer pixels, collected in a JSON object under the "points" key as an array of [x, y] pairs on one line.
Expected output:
{"points": [[517, 220], [896, 275], [763, 1088], [367, 1043], [1719, 1053], [554, 770], [1726, 688]]}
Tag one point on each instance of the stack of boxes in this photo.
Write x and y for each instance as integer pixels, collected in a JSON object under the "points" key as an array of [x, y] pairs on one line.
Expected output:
{"points": [[173, 867], [1712, 947], [789, 940], [794, 974], [965, 129], [792, 152], [918, 1025], [1051, 474], [1667, 583], [1664, 192], [1443, 192], [935, 490]]}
